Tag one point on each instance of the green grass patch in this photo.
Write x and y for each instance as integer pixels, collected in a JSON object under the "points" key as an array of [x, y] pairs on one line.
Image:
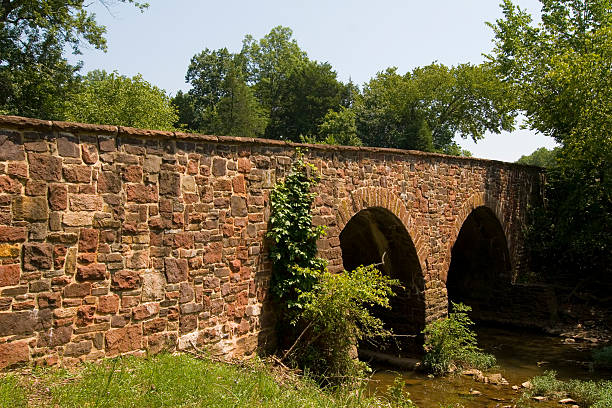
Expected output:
{"points": [[12, 394], [594, 394], [169, 380]]}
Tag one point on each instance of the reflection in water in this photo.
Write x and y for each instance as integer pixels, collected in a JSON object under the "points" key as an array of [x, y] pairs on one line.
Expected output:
{"points": [[520, 355]]}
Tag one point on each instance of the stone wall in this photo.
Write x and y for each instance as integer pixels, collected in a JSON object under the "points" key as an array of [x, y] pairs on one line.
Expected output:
{"points": [[116, 240]]}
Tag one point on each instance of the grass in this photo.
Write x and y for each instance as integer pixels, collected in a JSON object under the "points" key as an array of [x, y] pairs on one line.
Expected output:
{"points": [[11, 394], [169, 380], [594, 394]]}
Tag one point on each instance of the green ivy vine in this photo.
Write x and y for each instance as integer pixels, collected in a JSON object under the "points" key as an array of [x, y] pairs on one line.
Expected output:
{"points": [[291, 233]]}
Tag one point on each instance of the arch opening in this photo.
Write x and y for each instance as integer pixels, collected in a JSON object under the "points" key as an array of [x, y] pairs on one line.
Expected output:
{"points": [[480, 265], [376, 236]]}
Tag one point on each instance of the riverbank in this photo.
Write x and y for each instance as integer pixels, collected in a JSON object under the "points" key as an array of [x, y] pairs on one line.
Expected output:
{"points": [[167, 380]]}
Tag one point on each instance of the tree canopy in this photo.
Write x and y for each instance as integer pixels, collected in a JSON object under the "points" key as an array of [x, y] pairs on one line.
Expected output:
{"points": [[116, 99], [561, 71], [34, 75], [426, 108]]}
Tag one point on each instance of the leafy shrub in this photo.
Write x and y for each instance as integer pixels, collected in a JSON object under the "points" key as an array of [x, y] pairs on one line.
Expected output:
{"points": [[451, 342], [398, 396], [336, 315], [293, 237], [603, 357]]}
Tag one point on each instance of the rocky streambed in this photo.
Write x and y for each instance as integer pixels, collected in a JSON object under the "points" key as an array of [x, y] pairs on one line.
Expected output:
{"points": [[521, 355]]}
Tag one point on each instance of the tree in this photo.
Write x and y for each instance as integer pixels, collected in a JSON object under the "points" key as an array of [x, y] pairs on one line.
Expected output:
{"points": [[220, 102], [270, 61], [426, 108], [34, 76], [541, 157], [118, 100], [561, 71], [339, 128], [304, 98]]}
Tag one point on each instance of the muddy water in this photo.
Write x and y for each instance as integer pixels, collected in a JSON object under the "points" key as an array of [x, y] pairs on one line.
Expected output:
{"points": [[520, 355]]}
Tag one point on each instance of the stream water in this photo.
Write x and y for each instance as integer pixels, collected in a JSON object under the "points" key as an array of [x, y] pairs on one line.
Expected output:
{"points": [[520, 355]]}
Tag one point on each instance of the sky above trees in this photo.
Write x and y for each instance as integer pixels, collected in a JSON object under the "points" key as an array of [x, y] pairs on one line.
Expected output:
{"points": [[358, 38]]}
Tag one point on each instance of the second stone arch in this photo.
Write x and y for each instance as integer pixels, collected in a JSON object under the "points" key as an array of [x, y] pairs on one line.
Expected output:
{"points": [[376, 233]]}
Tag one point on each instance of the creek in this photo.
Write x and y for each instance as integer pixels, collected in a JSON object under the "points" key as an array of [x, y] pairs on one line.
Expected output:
{"points": [[521, 355]]}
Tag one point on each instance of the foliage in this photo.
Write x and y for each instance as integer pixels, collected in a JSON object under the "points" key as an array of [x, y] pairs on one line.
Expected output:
{"points": [[35, 78], [450, 342], [270, 62], [292, 235], [426, 108], [310, 91], [397, 394], [338, 128], [560, 71], [603, 357], [586, 393], [541, 157], [219, 102], [119, 100], [336, 312]]}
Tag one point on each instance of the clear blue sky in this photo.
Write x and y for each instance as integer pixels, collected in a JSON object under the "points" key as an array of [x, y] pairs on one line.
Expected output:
{"points": [[358, 38]]}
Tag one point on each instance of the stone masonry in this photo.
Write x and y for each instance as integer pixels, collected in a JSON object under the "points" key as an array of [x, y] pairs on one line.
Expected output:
{"points": [[116, 240]]}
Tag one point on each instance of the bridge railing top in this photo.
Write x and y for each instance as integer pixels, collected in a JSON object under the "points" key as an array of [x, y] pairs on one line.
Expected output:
{"points": [[23, 123]]}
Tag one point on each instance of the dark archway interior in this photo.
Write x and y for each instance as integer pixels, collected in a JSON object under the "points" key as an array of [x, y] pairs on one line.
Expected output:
{"points": [[480, 264], [374, 236]]}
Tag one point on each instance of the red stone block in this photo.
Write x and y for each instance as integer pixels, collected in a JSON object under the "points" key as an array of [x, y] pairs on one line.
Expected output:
{"points": [[88, 240], [123, 340], [9, 275], [91, 272], [14, 353], [125, 279], [12, 234], [108, 304]]}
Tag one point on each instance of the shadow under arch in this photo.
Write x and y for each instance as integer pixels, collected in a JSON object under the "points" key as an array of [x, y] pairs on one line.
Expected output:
{"points": [[480, 265], [375, 235]]}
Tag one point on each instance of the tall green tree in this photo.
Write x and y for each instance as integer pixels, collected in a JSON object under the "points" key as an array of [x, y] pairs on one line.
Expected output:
{"points": [[270, 61], [561, 71], [119, 100], [426, 108], [35, 78], [220, 101], [304, 98]]}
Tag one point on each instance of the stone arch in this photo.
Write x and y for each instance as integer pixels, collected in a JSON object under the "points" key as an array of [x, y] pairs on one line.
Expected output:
{"points": [[370, 197], [374, 228], [475, 201], [480, 262]]}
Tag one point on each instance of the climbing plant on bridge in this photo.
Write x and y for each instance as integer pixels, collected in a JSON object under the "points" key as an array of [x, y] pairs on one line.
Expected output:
{"points": [[292, 235]]}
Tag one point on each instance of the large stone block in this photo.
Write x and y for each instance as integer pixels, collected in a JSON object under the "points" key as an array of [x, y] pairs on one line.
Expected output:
{"points": [[14, 353], [12, 234], [123, 340], [93, 272], [58, 197], [177, 270], [30, 208], [45, 167], [124, 280], [10, 148], [37, 256], [9, 275], [9, 185], [153, 284]]}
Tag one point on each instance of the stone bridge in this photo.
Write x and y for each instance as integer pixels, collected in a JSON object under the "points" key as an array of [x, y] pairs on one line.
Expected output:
{"points": [[116, 240]]}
